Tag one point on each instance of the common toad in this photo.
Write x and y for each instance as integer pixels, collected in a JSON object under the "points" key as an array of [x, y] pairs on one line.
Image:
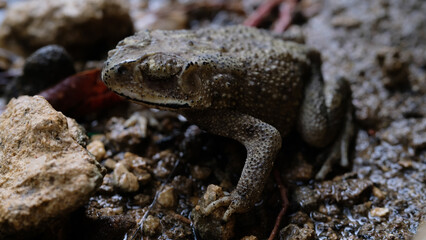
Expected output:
{"points": [[238, 82]]}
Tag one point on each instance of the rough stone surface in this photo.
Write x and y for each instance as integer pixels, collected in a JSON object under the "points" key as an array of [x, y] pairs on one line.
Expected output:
{"points": [[97, 148], [85, 28], [167, 197], [44, 172], [125, 180]]}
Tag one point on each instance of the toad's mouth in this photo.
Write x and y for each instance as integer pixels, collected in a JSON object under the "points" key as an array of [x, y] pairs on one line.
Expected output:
{"points": [[152, 103]]}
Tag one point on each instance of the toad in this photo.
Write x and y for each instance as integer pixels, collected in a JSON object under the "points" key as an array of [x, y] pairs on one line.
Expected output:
{"points": [[238, 82]]}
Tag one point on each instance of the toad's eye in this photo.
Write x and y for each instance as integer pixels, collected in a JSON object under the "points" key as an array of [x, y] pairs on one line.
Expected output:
{"points": [[122, 70]]}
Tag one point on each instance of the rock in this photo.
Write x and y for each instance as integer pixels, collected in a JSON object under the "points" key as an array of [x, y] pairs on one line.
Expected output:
{"points": [[378, 193], [344, 191], [212, 226], [346, 22], [78, 133], [125, 180], [86, 28], [379, 212], [43, 69], [97, 148], [151, 225], [292, 231], [122, 136], [249, 238], [44, 172], [305, 197], [167, 197], [110, 164], [341, 191], [138, 166], [200, 172]]}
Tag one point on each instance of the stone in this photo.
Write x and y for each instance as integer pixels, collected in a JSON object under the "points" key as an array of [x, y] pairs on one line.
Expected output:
{"points": [[86, 28], [293, 231], [167, 197], [379, 212], [249, 238], [200, 172], [44, 172], [125, 180], [110, 164], [152, 225], [97, 148]]}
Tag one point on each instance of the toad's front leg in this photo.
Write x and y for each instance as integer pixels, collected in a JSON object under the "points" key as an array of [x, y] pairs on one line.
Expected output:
{"points": [[262, 142]]}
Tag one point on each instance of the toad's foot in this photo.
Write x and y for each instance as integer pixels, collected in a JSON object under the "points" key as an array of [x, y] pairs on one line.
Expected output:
{"points": [[235, 204], [222, 202], [325, 117], [339, 149]]}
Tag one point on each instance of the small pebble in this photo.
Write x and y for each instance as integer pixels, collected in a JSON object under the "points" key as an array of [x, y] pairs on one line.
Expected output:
{"points": [[125, 180], [379, 212], [167, 197], [97, 148], [200, 173], [132, 160], [111, 211], [405, 163], [142, 175], [378, 193], [151, 225], [249, 238], [110, 164]]}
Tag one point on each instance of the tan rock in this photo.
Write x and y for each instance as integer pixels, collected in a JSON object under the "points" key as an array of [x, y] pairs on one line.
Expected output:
{"points": [[109, 163], [125, 180], [44, 172], [84, 27], [152, 225], [167, 197], [249, 238], [379, 212], [97, 148], [200, 173]]}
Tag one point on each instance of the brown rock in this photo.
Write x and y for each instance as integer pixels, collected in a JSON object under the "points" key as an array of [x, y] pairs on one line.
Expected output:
{"points": [[125, 180], [379, 212], [292, 231], [86, 28], [200, 173], [152, 225], [97, 148], [167, 197], [44, 172]]}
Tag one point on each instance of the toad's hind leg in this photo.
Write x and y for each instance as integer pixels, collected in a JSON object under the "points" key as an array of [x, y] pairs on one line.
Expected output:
{"points": [[325, 116], [262, 142]]}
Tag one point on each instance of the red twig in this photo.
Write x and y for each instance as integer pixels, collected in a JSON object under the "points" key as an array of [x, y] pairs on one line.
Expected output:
{"points": [[284, 204], [286, 16], [261, 13]]}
